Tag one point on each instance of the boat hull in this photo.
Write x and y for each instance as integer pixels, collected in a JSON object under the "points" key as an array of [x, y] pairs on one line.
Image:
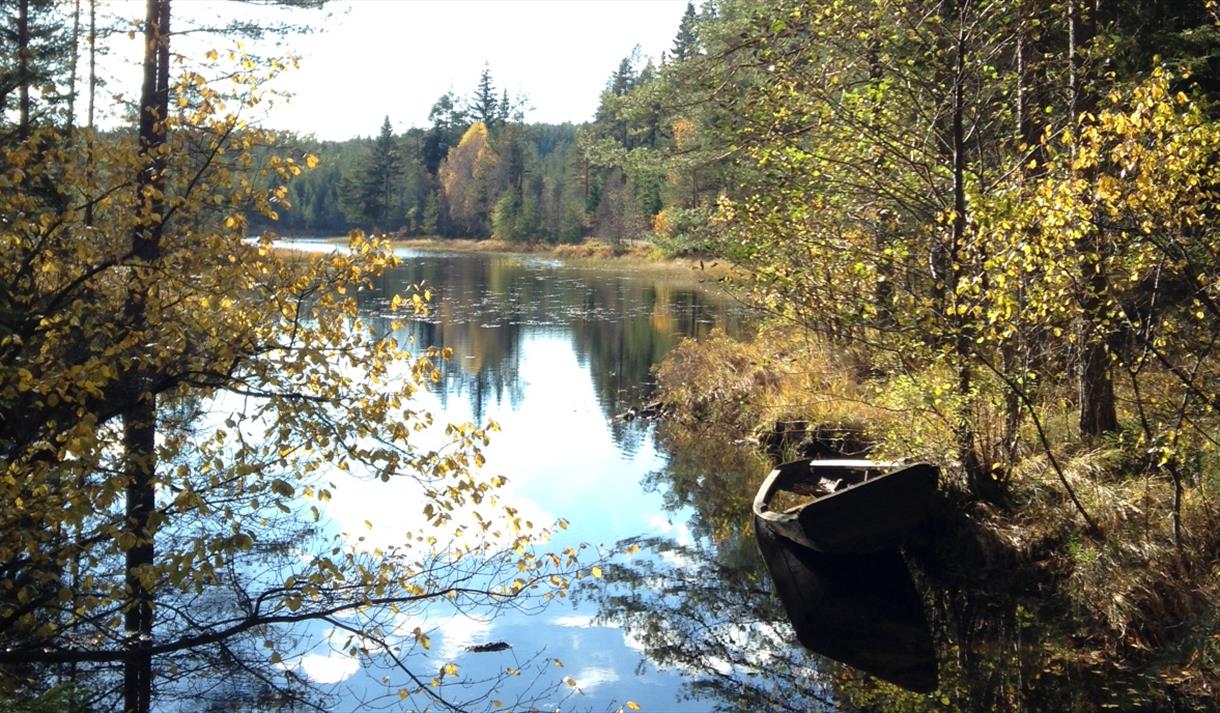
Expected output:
{"points": [[871, 514], [861, 610]]}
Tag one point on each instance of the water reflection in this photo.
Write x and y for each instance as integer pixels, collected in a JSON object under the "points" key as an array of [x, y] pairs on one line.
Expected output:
{"points": [[552, 352], [706, 609], [620, 322], [708, 477]]}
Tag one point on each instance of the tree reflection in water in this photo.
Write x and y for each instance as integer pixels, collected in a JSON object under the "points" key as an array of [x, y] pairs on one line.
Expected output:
{"points": [[620, 320], [708, 611]]}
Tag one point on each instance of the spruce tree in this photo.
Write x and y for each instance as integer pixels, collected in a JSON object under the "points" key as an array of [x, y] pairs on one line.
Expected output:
{"points": [[367, 193], [686, 42], [484, 105], [35, 53], [504, 109], [449, 121]]}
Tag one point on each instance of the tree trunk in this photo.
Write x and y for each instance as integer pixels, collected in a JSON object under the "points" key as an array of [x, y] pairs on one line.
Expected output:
{"points": [[23, 69], [1014, 352], [1098, 413], [886, 222], [139, 442], [967, 450], [140, 423], [90, 128], [70, 121]]}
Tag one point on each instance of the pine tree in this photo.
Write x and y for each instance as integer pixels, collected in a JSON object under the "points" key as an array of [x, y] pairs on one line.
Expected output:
{"points": [[35, 52], [623, 78], [686, 42], [483, 105], [367, 194], [449, 121], [503, 109]]}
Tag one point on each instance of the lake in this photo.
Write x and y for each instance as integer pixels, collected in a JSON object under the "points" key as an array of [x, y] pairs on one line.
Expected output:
{"points": [[553, 352]]}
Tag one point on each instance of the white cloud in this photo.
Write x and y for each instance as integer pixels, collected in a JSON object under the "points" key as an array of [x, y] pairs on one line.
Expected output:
{"points": [[677, 560], [331, 668], [573, 621], [633, 642], [593, 676], [451, 635], [660, 524], [460, 632], [684, 537], [721, 666], [663, 525]]}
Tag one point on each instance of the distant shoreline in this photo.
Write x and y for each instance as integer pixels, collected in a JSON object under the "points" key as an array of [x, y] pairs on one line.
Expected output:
{"points": [[592, 249], [638, 251]]}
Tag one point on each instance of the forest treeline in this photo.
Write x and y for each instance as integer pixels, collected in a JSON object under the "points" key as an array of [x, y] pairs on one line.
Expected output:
{"points": [[479, 170]]}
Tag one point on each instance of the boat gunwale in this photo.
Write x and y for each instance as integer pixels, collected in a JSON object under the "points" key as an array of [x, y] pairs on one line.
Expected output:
{"points": [[773, 481], [787, 523]]}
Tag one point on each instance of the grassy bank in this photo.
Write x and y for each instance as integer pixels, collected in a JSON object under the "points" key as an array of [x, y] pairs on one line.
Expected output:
{"points": [[587, 249], [639, 253]]}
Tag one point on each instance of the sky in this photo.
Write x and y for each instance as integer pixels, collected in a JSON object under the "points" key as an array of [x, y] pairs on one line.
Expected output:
{"points": [[375, 58]]}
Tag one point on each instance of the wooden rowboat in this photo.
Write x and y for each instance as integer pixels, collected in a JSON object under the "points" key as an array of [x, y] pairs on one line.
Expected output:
{"points": [[845, 506]]}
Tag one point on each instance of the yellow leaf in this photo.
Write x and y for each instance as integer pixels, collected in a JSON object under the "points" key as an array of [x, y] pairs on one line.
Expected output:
{"points": [[632, 705], [597, 572], [421, 637]]}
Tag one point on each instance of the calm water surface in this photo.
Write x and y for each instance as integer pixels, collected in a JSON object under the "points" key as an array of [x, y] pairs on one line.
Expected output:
{"points": [[552, 352]]}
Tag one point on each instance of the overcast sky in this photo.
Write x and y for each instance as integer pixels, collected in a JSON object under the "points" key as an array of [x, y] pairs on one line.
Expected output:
{"points": [[373, 58]]}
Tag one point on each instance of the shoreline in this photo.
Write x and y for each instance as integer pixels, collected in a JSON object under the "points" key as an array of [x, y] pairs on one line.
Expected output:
{"points": [[637, 253]]}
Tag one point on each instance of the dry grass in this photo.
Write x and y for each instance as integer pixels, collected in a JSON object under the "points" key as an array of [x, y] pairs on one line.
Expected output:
{"points": [[1143, 603], [747, 387]]}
